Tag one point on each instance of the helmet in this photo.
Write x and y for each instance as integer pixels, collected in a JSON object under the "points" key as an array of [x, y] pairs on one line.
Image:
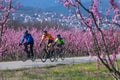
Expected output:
{"points": [[59, 36], [44, 31], [26, 31]]}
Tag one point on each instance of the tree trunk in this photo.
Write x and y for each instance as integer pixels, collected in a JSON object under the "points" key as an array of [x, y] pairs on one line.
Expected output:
{"points": [[0, 36]]}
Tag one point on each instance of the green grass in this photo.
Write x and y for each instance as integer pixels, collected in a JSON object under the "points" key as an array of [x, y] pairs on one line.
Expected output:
{"points": [[85, 71]]}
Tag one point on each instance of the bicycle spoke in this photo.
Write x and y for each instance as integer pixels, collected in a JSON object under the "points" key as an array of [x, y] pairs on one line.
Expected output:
{"points": [[52, 56], [43, 56], [23, 56], [62, 55]]}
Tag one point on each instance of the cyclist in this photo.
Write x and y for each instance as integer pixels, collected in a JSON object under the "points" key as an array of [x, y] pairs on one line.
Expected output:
{"points": [[59, 42], [29, 41], [49, 36]]}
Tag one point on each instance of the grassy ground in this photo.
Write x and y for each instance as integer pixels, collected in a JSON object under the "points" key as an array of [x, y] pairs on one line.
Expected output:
{"points": [[85, 71]]}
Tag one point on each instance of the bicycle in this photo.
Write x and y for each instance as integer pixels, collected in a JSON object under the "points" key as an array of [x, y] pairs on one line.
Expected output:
{"points": [[47, 53], [23, 55], [59, 52]]}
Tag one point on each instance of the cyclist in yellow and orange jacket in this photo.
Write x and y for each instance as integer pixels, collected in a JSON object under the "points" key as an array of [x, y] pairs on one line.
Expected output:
{"points": [[49, 36]]}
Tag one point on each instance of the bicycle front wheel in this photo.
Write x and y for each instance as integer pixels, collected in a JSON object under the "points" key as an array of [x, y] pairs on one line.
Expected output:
{"points": [[43, 56], [56, 54], [62, 54], [52, 55], [23, 56]]}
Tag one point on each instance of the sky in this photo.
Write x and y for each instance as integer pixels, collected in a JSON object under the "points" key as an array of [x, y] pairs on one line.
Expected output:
{"points": [[53, 5], [39, 3], [42, 3]]}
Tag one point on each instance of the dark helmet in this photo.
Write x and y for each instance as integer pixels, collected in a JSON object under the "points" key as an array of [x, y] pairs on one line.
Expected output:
{"points": [[26, 31], [59, 36], [45, 31]]}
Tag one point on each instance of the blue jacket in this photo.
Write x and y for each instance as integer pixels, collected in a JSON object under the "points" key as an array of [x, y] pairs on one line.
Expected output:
{"points": [[28, 38]]}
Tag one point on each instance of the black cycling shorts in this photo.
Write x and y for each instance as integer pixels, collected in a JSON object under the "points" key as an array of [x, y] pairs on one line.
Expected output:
{"points": [[60, 45], [50, 41]]}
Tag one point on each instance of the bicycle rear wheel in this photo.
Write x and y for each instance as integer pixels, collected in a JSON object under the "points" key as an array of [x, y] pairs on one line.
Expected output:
{"points": [[43, 56]]}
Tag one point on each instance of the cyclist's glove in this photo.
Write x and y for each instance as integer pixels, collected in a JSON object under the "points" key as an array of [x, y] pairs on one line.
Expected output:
{"points": [[20, 44], [40, 45]]}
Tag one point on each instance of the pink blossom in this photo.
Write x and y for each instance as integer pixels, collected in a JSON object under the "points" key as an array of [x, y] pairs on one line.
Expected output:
{"points": [[113, 4], [89, 21], [108, 11], [71, 2], [77, 10], [66, 4], [119, 1], [1, 6], [116, 9], [94, 9], [12, 10], [77, 4], [7, 0], [113, 57], [68, 17], [18, 6]]}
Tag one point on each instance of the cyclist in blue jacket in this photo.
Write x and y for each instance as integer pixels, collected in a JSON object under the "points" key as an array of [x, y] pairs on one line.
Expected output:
{"points": [[29, 41]]}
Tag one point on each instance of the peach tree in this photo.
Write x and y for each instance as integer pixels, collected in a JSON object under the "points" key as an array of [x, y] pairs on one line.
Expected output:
{"points": [[98, 17]]}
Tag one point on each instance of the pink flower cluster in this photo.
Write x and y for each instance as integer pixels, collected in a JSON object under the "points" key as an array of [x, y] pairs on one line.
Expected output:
{"points": [[116, 9], [94, 9]]}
